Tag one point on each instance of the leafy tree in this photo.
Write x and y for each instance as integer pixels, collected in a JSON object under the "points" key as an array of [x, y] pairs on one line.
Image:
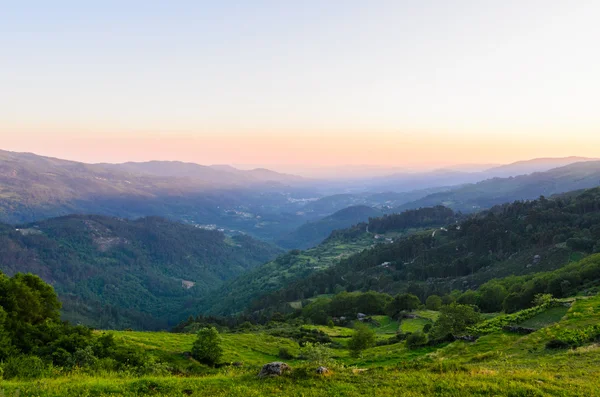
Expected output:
{"points": [[363, 338], [454, 319], [491, 297], [402, 302], [433, 302], [207, 346], [469, 297], [317, 311]]}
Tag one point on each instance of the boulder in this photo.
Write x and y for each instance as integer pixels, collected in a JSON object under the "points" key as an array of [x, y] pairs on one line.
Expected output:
{"points": [[274, 369], [237, 364], [322, 370], [518, 330]]}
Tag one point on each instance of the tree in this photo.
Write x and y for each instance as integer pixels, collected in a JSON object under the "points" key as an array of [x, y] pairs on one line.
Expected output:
{"points": [[207, 347], [491, 297], [363, 338], [469, 297], [402, 302], [454, 319], [433, 302]]}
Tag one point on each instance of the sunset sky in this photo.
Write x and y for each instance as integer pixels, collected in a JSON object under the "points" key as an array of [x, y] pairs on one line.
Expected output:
{"points": [[301, 83]]}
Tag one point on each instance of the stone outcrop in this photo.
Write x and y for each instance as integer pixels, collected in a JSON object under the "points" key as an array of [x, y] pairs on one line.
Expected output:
{"points": [[274, 369]]}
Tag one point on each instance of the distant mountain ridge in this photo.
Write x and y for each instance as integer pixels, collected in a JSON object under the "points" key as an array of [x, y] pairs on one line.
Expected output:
{"points": [[218, 174], [490, 192], [404, 181], [35, 187]]}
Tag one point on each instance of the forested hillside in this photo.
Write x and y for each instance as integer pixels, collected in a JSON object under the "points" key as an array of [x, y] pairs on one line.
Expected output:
{"points": [[312, 233], [296, 265], [116, 273], [511, 239]]}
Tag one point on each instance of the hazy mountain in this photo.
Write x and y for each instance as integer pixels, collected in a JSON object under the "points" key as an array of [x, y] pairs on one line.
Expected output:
{"points": [[535, 165], [111, 272], [312, 233], [35, 187], [460, 175], [218, 174], [495, 191]]}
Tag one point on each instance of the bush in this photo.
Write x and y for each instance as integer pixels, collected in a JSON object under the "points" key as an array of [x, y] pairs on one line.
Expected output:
{"points": [[316, 354], [285, 354], [415, 340], [207, 347], [24, 367], [363, 338], [427, 328]]}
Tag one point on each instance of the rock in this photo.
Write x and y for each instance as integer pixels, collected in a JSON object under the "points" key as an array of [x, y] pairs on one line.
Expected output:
{"points": [[518, 330], [237, 364], [322, 370], [536, 259], [187, 354], [466, 338], [274, 369]]}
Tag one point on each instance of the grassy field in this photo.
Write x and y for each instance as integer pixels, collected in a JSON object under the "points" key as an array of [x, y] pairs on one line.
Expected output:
{"points": [[498, 364]]}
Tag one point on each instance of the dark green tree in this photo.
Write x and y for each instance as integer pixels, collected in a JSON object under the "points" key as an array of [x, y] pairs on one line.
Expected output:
{"points": [[402, 302], [433, 302], [454, 319]]}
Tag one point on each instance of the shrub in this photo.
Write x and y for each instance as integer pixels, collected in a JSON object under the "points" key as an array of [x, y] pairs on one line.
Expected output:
{"points": [[427, 328], [285, 354], [415, 340], [363, 338], [24, 367], [316, 354], [207, 347]]}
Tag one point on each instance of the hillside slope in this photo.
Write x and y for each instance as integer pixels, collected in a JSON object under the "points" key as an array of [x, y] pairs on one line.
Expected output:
{"points": [[294, 266], [312, 233], [512, 239], [115, 273]]}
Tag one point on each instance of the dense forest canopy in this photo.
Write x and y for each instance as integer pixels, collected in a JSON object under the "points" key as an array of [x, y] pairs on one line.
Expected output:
{"points": [[116, 273], [519, 238]]}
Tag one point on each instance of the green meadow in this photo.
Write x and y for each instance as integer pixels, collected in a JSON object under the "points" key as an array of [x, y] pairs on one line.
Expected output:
{"points": [[497, 364]]}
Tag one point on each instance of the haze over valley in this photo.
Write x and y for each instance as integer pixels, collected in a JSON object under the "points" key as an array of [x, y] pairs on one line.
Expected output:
{"points": [[385, 198]]}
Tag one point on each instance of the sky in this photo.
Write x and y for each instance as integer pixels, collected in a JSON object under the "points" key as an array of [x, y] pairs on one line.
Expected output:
{"points": [[297, 84]]}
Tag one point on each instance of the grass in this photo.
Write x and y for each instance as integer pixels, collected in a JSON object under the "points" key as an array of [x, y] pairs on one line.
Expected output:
{"points": [[379, 382], [387, 325], [414, 324], [549, 317], [251, 349], [497, 364]]}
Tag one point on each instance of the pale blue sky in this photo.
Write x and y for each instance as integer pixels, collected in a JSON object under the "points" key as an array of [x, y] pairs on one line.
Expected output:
{"points": [[483, 71]]}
